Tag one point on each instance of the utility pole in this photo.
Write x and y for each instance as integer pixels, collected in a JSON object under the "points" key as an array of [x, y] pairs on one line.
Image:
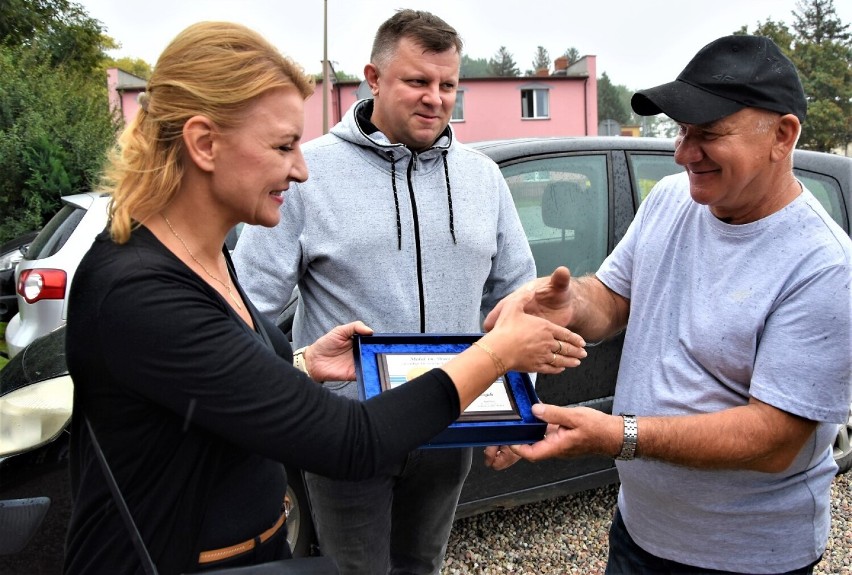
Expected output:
{"points": [[325, 75]]}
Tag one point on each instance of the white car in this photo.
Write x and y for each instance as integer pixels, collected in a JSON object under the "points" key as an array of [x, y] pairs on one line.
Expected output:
{"points": [[44, 275]]}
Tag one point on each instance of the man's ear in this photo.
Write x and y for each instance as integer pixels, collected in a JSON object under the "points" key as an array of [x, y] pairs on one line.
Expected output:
{"points": [[371, 74], [198, 136], [786, 135]]}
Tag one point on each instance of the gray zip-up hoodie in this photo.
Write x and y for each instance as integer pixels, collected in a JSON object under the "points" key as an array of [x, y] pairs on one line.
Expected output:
{"points": [[407, 242]]}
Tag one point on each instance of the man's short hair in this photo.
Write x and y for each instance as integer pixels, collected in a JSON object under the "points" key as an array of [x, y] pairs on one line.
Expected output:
{"points": [[426, 29]]}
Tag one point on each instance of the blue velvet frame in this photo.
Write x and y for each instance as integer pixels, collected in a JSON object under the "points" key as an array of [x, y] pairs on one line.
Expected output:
{"points": [[528, 429]]}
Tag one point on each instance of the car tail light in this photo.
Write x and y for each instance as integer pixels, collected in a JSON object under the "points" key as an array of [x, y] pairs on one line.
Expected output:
{"points": [[39, 284], [35, 414]]}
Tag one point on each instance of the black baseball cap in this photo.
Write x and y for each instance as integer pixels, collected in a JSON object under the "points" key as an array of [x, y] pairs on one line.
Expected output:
{"points": [[725, 76]]}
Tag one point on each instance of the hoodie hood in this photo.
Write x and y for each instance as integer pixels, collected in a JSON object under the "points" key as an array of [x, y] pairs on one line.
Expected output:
{"points": [[357, 128]]}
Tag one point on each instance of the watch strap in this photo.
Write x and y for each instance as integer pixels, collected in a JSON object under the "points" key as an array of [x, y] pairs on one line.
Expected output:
{"points": [[631, 438], [299, 360]]}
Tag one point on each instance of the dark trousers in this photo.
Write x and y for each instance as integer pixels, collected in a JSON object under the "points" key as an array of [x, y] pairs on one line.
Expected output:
{"points": [[627, 558], [397, 523]]}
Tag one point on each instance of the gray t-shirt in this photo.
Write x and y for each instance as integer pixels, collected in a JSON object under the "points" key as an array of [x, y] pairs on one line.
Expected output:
{"points": [[719, 313]]}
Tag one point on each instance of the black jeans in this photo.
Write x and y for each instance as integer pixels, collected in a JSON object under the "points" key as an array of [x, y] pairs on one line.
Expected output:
{"points": [[627, 558]]}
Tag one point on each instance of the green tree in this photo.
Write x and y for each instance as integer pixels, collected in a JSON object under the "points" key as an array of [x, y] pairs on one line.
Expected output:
{"points": [[55, 124], [610, 103], [473, 67], [820, 46], [541, 61], [21, 20], [339, 76], [136, 66], [823, 54], [60, 28], [503, 64], [779, 32], [346, 77], [572, 54]]}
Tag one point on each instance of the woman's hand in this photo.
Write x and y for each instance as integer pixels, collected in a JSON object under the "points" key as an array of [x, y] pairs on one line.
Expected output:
{"points": [[526, 342], [330, 357], [552, 299]]}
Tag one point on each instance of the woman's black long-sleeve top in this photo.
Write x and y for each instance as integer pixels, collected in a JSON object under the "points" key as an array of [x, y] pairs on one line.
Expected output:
{"points": [[196, 414]]}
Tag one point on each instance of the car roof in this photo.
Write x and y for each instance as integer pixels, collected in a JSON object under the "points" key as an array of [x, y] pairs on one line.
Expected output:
{"points": [[84, 200], [502, 150]]}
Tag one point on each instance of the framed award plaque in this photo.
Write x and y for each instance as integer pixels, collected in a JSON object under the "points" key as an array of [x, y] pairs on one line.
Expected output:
{"points": [[501, 415], [496, 403]]}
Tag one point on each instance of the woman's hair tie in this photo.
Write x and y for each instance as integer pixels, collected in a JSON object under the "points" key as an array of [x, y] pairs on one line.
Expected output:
{"points": [[143, 99]]}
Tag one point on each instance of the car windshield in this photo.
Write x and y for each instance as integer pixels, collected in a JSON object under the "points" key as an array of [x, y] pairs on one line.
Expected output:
{"points": [[55, 233]]}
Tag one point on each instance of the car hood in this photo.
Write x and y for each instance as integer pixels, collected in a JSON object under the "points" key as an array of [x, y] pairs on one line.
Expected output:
{"points": [[43, 359]]}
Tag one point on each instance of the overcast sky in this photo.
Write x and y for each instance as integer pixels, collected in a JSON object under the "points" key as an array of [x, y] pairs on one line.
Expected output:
{"points": [[638, 44]]}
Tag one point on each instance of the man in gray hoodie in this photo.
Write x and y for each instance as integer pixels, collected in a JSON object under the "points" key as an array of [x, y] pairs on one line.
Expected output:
{"points": [[403, 227]]}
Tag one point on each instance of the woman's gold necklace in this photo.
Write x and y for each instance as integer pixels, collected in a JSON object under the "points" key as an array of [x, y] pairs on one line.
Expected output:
{"points": [[186, 247]]}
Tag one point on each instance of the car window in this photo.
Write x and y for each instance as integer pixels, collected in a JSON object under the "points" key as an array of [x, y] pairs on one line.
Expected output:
{"points": [[563, 204], [54, 235], [648, 169], [827, 191]]}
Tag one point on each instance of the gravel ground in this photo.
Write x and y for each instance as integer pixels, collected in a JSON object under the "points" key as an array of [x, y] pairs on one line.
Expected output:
{"points": [[569, 535]]}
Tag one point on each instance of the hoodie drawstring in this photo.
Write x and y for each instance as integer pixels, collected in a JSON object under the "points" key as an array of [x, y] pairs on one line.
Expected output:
{"points": [[395, 201], [449, 195], [392, 159]]}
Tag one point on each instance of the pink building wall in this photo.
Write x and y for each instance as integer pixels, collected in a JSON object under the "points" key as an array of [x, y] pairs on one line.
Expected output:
{"points": [[123, 89], [492, 106]]}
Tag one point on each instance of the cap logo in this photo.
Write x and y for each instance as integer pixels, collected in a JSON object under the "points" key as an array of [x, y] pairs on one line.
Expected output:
{"points": [[724, 78]]}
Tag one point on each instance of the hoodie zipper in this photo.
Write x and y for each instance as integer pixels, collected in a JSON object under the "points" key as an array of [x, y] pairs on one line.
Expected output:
{"points": [[412, 166]]}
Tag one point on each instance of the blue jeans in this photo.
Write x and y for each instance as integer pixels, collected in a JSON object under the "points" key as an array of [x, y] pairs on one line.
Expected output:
{"points": [[398, 522], [627, 558]]}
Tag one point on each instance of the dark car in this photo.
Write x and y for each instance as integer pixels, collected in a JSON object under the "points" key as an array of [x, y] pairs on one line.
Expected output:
{"points": [[10, 254], [575, 197]]}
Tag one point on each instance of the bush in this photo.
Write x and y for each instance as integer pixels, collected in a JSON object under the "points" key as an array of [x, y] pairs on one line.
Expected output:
{"points": [[55, 127]]}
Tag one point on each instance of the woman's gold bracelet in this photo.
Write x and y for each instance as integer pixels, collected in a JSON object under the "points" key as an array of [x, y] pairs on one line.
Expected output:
{"points": [[498, 363]]}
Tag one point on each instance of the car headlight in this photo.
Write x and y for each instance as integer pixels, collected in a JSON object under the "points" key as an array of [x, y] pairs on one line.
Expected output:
{"points": [[35, 414]]}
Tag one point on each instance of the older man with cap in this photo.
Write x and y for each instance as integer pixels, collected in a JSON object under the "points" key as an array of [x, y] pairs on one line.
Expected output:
{"points": [[733, 285]]}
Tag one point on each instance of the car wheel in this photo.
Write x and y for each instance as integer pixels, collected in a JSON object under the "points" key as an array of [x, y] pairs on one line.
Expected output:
{"points": [[843, 447], [300, 526]]}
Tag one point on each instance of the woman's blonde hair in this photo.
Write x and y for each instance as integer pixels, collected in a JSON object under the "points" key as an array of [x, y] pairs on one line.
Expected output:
{"points": [[213, 69]]}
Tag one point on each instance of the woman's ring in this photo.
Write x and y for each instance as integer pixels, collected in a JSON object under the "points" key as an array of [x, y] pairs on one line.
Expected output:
{"points": [[552, 360], [558, 349]]}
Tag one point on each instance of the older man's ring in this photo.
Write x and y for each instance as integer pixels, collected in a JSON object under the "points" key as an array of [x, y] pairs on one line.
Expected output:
{"points": [[552, 360], [558, 349]]}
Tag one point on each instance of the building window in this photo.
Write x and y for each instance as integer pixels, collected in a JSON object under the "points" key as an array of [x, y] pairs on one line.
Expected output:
{"points": [[535, 103], [458, 109]]}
